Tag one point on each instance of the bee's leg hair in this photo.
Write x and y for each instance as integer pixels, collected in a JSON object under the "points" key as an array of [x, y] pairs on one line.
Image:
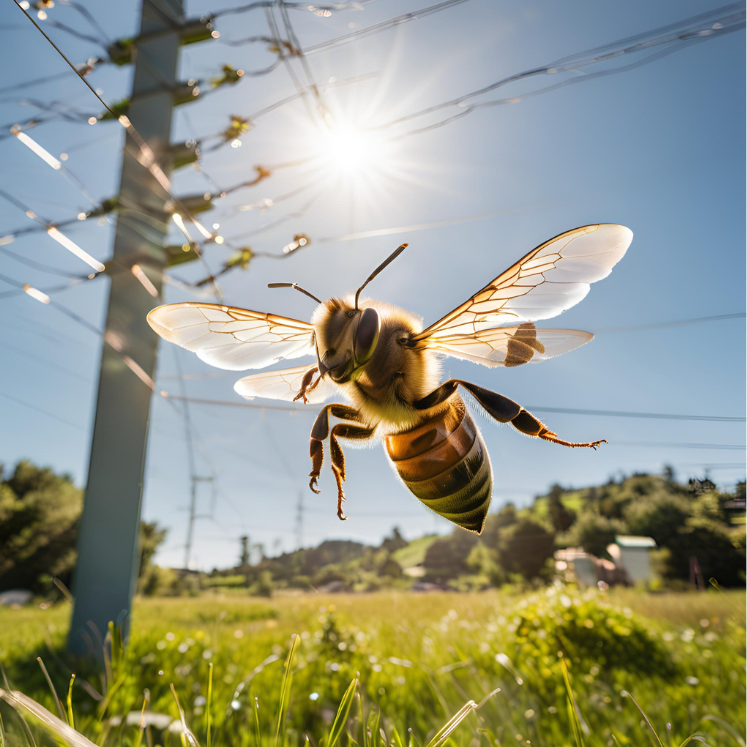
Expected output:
{"points": [[504, 410], [352, 433], [319, 433]]}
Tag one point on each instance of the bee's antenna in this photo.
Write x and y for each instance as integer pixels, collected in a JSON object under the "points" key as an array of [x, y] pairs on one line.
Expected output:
{"points": [[386, 262], [296, 286]]}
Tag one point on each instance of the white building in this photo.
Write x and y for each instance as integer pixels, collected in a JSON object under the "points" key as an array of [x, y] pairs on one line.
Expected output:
{"points": [[632, 555]]}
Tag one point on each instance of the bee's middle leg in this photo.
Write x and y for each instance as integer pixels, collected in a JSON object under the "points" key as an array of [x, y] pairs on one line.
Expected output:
{"points": [[352, 433], [320, 432]]}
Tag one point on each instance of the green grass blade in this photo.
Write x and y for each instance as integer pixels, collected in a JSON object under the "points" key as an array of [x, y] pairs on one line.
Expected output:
{"points": [[626, 694], [257, 730], [70, 716], [372, 726], [342, 714], [186, 735], [55, 697], [447, 729], [285, 694], [727, 726], [209, 703], [142, 720], [694, 738], [572, 709]]}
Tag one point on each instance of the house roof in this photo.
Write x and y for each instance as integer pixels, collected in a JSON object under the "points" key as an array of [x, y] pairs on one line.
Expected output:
{"points": [[626, 540]]}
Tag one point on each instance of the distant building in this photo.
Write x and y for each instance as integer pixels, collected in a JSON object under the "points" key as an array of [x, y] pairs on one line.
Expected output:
{"points": [[630, 563], [633, 554]]}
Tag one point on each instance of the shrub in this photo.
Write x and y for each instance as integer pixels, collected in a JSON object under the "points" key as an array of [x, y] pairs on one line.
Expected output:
{"points": [[587, 632]]}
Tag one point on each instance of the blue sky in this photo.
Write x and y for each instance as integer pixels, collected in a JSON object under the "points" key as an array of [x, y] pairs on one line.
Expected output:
{"points": [[659, 149]]}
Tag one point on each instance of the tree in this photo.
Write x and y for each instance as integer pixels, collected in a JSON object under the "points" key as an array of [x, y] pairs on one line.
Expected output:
{"points": [[661, 517], [594, 533], [719, 553], [395, 542], [447, 557], [39, 516], [524, 547], [561, 517], [496, 522]]}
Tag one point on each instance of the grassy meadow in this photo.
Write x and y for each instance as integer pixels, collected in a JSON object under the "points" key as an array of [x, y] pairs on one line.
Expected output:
{"points": [[564, 662]]}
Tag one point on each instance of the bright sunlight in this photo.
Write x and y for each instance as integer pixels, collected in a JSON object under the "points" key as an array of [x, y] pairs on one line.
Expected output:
{"points": [[351, 150]]}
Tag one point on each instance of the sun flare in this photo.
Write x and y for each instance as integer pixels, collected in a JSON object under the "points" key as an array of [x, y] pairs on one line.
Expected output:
{"points": [[350, 150]]}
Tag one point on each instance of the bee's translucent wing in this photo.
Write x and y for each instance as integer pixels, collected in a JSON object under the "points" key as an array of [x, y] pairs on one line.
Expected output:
{"points": [[233, 339], [547, 281], [284, 384], [510, 346]]}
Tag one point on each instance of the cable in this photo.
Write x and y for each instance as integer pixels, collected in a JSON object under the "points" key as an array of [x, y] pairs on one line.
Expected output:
{"points": [[726, 447], [699, 28], [43, 411], [148, 159], [645, 415], [383, 26], [676, 323], [293, 6]]}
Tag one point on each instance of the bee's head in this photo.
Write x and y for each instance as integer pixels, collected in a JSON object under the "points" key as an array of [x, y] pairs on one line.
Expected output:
{"points": [[346, 334], [346, 338]]}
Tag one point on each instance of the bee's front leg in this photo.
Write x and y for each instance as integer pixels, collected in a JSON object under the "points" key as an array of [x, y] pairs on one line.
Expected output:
{"points": [[320, 432], [306, 385]]}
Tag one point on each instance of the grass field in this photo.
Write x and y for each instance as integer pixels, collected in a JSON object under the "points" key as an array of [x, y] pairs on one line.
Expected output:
{"points": [[417, 658]]}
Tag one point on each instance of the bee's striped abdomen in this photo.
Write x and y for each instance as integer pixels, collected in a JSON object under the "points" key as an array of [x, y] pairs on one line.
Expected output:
{"points": [[445, 464]]}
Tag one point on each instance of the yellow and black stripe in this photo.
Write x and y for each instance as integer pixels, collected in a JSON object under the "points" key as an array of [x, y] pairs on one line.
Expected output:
{"points": [[445, 464]]}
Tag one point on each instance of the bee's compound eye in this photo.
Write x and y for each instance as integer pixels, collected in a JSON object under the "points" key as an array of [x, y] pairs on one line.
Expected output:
{"points": [[367, 335]]}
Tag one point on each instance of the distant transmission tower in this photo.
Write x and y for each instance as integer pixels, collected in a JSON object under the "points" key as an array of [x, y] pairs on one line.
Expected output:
{"points": [[193, 516]]}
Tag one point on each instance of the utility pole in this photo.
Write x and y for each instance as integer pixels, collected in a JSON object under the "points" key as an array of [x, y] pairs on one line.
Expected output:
{"points": [[106, 571]]}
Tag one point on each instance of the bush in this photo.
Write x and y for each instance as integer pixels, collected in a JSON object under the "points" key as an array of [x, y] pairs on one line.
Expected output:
{"points": [[588, 632]]}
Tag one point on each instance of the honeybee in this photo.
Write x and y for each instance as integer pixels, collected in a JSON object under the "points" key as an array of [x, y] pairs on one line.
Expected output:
{"points": [[387, 366]]}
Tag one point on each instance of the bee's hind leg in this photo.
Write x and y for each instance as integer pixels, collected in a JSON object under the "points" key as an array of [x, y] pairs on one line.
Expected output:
{"points": [[504, 410], [353, 433]]}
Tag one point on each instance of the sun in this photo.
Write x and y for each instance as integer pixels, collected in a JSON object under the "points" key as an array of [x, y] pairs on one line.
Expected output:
{"points": [[349, 150]]}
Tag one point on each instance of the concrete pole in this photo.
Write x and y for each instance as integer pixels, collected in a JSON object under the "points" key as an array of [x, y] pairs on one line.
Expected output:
{"points": [[106, 572]]}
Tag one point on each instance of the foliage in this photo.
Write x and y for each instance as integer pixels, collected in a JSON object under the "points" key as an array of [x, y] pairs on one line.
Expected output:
{"points": [[524, 548], [594, 533], [39, 515]]}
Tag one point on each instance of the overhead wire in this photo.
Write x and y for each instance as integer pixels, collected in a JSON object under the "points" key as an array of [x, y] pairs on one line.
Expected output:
{"points": [[678, 35], [382, 26], [147, 159]]}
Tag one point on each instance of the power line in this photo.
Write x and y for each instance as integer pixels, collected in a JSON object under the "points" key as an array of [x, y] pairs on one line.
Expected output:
{"points": [[675, 323], [147, 159], [679, 445], [49, 414], [678, 35], [645, 415]]}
